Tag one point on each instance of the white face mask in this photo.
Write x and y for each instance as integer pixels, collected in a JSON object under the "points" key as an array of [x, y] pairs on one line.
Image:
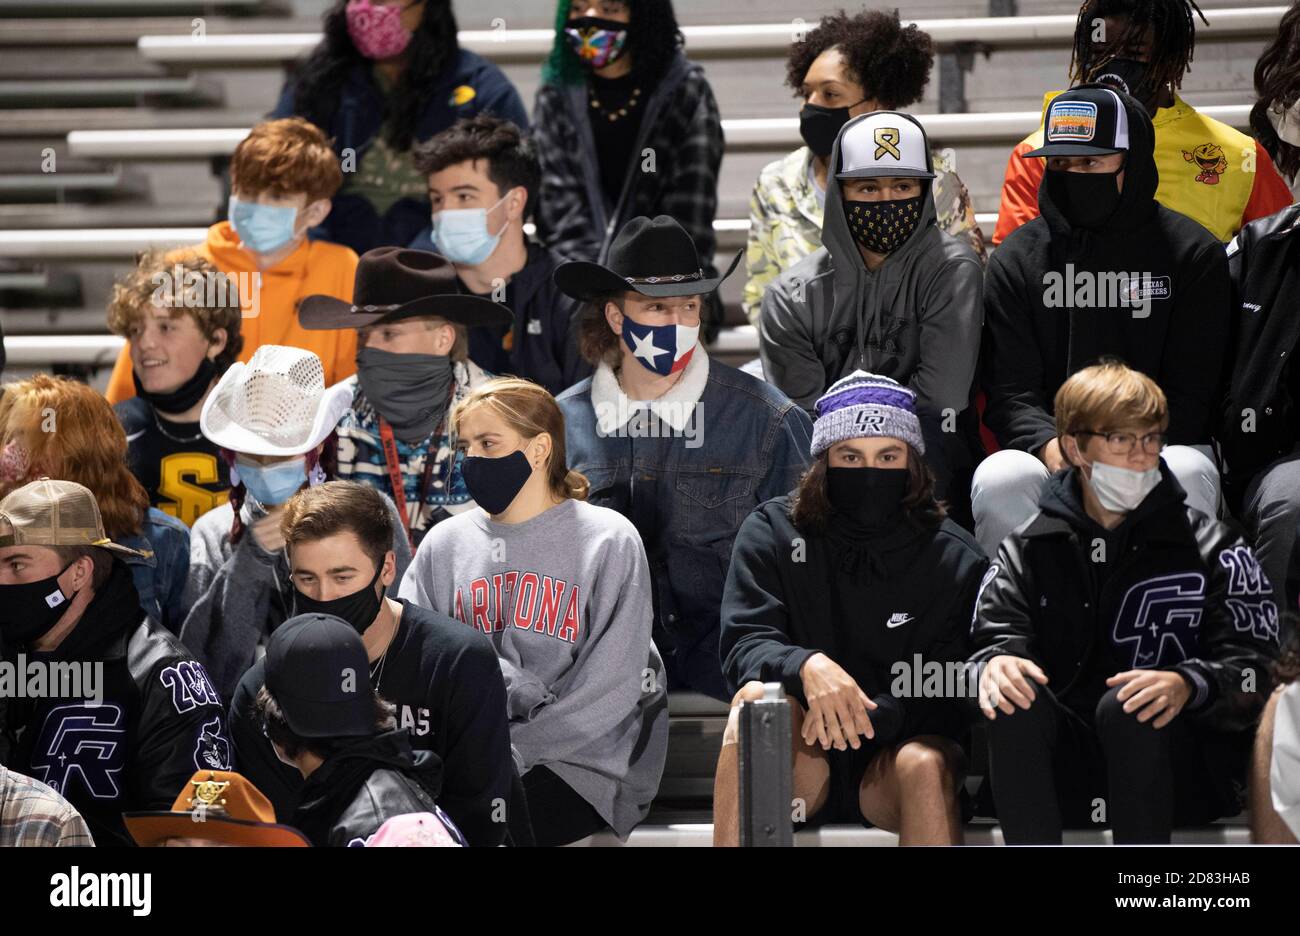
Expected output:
{"points": [[1121, 490], [1286, 122]]}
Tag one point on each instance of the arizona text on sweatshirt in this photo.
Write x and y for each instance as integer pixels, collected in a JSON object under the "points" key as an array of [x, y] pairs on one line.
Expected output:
{"points": [[565, 598]]}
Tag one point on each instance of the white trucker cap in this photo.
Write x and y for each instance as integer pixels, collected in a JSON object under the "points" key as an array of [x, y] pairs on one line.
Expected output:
{"points": [[883, 144]]}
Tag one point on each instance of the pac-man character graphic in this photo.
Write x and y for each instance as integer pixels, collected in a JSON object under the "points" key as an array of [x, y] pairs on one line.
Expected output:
{"points": [[1211, 161], [887, 139]]}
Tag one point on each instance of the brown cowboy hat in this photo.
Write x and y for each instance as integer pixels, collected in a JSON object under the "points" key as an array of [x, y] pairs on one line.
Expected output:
{"points": [[219, 806], [395, 283], [652, 256]]}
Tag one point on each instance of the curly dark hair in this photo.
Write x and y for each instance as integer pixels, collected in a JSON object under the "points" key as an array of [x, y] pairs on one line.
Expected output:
{"points": [[1172, 25], [892, 62], [1287, 668], [1277, 81], [653, 39], [511, 154], [319, 80]]}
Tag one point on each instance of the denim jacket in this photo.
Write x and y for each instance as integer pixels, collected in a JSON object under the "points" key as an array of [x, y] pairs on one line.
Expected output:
{"points": [[718, 444], [161, 574]]}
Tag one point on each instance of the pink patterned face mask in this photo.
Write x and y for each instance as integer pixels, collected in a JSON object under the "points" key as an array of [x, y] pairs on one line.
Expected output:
{"points": [[15, 462], [377, 31]]}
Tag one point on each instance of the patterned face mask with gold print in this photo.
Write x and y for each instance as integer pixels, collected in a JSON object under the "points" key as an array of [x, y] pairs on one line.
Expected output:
{"points": [[883, 226]]}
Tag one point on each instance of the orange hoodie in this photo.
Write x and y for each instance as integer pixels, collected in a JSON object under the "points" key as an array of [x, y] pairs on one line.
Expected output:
{"points": [[316, 267]]}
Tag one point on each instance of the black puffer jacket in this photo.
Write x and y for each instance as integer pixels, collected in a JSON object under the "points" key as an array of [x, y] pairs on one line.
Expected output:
{"points": [[1182, 592], [357, 790], [1259, 414]]}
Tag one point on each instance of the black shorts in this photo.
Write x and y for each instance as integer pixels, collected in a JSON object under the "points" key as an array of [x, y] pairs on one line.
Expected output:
{"points": [[842, 806]]}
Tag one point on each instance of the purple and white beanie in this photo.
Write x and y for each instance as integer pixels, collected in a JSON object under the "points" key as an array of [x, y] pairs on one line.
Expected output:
{"points": [[863, 404]]}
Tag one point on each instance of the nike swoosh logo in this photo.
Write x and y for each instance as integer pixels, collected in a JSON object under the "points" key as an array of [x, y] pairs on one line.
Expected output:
{"points": [[891, 623]]}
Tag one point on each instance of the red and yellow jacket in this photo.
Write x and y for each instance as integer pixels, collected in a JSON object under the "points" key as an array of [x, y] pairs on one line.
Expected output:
{"points": [[1217, 176]]}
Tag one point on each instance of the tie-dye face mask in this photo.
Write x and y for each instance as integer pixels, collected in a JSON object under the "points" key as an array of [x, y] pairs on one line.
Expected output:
{"points": [[596, 41]]}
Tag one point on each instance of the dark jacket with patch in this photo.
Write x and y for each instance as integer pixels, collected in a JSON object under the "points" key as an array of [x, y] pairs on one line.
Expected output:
{"points": [[867, 605], [1181, 592], [1264, 262], [355, 791], [1031, 347], [160, 719]]}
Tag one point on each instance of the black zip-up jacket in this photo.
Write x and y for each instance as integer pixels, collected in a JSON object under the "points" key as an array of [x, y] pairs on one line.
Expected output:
{"points": [[347, 798], [1031, 348], [867, 606], [1183, 592], [1264, 262], [159, 720]]}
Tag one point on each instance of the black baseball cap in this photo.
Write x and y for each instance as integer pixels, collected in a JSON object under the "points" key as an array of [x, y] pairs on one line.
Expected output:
{"points": [[1089, 120], [319, 674]]}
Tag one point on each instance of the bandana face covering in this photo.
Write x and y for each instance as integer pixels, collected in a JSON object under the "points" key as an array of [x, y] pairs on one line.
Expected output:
{"points": [[596, 41], [377, 31], [883, 226]]}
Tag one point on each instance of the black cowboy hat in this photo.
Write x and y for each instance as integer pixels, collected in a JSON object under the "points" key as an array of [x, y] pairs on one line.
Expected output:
{"points": [[652, 257], [395, 283]]}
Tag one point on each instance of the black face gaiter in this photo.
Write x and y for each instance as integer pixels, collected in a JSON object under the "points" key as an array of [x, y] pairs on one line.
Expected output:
{"points": [[359, 608], [184, 396], [883, 226], [1130, 76], [1085, 199], [408, 390], [872, 497]]}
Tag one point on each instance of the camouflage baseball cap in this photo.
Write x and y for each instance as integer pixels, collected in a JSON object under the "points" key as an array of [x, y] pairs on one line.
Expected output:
{"points": [[55, 513]]}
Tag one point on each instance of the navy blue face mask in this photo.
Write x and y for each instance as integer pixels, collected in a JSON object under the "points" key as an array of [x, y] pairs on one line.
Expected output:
{"points": [[494, 483]]}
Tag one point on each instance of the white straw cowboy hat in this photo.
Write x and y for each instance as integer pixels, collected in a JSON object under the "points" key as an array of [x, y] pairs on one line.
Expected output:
{"points": [[277, 404]]}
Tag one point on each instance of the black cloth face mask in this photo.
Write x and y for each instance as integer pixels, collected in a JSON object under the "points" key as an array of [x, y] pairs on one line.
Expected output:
{"points": [[408, 390], [871, 497], [1130, 76], [1085, 199], [883, 226], [819, 126], [494, 483], [184, 396], [28, 611], [359, 608]]}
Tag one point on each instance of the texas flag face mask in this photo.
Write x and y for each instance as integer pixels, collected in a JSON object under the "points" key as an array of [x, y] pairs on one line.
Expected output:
{"points": [[664, 349]]}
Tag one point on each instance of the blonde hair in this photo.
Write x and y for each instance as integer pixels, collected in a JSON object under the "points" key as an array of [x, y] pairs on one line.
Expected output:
{"points": [[1106, 396], [529, 410], [71, 433]]}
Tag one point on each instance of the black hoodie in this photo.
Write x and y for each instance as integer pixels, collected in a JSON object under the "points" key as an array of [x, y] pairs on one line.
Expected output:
{"points": [[1179, 591], [1179, 339]]}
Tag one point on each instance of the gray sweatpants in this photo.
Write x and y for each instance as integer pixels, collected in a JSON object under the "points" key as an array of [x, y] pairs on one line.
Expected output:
{"points": [[1005, 489], [1271, 510]]}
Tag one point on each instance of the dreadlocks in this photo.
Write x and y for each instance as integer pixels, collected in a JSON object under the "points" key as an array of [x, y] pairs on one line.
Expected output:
{"points": [[1172, 26], [1277, 81]]}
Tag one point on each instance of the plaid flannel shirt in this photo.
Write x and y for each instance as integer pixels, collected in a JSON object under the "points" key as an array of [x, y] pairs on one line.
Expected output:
{"points": [[686, 138], [31, 814]]}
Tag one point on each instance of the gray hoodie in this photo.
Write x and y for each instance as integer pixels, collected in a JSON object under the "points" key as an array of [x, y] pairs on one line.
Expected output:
{"points": [[917, 318], [565, 598]]}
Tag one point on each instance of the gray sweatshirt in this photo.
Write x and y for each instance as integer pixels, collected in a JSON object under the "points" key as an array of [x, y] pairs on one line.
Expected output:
{"points": [[565, 598], [235, 595], [916, 318]]}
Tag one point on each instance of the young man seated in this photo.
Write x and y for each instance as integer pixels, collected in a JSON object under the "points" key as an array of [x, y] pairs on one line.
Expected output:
{"points": [[140, 715], [413, 322], [1125, 640], [680, 444], [833, 588], [1106, 270], [282, 178], [483, 183], [441, 676]]}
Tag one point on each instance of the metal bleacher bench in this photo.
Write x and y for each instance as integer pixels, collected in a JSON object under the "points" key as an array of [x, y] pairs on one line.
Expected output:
{"points": [[701, 41], [1007, 127]]}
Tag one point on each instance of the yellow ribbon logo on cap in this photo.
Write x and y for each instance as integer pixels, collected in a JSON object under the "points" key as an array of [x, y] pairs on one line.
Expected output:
{"points": [[887, 139]]}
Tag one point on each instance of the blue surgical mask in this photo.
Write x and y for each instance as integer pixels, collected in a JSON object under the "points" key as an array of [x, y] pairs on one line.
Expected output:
{"points": [[461, 234], [275, 483], [262, 228]]}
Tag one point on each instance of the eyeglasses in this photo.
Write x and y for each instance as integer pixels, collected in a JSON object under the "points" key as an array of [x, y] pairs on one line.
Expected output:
{"points": [[1122, 443]]}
